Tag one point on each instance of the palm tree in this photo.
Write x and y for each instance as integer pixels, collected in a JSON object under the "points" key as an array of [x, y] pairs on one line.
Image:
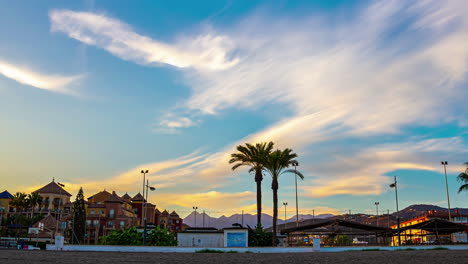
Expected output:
{"points": [[34, 200], [19, 201], [252, 156], [276, 164], [463, 178]]}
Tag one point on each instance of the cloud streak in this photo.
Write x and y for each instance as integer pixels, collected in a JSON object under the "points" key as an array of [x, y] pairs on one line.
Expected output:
{"points": [[204, 52], [56, 83]]}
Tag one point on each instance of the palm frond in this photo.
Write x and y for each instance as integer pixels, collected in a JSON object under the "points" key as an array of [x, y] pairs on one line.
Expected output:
{"points": [[298, 173]]}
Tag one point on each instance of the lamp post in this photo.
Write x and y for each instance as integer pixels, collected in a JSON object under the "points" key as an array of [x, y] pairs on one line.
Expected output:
{"points": [[144, 211], [295, 164], [444, 163], [195, 208], [144, 172], [394, 185], [285, 204], [377, 209], [59, 213]]}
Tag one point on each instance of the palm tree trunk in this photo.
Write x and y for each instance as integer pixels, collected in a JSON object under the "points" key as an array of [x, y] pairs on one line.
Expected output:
{"points": [[258, 180], [274, 187]]}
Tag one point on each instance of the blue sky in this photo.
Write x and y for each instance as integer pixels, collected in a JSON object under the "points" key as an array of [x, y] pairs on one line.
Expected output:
{"points": [[93, 91]]}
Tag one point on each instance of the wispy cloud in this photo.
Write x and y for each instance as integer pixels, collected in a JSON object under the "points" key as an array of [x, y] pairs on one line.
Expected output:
{"points": [[56, 83], [204, 52]]}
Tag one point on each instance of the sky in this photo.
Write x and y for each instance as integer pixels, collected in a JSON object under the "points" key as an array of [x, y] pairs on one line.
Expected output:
{"points": [[91, 92]]}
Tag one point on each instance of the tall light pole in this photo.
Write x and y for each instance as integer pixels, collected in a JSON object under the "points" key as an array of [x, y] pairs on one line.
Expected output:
{"points": [[444, 163], [285, 204], [394, 185], [377, 209], [59, 212], [195, 208], [144, 210], [295, 164], [144, 172]]}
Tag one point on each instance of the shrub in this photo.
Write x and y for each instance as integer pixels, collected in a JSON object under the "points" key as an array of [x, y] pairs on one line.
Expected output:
{"points": [[259, 238]]}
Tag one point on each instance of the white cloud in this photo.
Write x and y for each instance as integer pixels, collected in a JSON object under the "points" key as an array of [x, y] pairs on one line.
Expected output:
{"points": [[204, 52], [345, 85], [22, 75]]}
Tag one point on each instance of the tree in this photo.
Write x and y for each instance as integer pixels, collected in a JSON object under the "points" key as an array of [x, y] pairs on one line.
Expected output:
{"points": [[276, 164], [79, 218], [19, 201], [463, 178], [161, 237], [124, 237], [253, 156], [34, 200]]}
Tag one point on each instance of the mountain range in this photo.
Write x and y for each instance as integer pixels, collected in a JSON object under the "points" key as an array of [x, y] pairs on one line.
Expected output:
{"points": [[245, 220], [251, 220]]}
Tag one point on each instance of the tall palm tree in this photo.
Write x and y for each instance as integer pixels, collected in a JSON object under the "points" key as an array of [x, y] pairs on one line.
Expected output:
{"points": [[253, 156], [463, 178], [19, 201], [34, 200], [276, 164]]}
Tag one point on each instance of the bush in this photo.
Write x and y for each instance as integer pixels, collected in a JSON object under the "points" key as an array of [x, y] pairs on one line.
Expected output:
{"points": [[161, 237], [259, 238], [131, 237], [124, 237]]}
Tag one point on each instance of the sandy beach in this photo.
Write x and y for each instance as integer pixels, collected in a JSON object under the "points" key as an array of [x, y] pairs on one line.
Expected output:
{"points": [[437, 256]]}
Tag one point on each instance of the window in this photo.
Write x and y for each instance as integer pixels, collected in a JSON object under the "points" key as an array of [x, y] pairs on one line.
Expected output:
{"points": [[122, 224], [111, 213], [64, 225], [96, 222], [98, 202], [88, 222], [92, 211], [110, 224]]}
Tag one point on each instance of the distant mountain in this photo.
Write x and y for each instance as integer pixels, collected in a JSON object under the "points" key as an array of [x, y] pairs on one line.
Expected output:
{"points": [[248, 220], [251, 220]]}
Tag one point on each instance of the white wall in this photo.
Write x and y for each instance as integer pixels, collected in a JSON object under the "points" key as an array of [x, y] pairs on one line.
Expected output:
{"points": [[200, 240]]}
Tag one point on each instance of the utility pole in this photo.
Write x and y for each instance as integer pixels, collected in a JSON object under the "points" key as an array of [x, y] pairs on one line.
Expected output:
{"points": [[394, 185], [444, 163], [377, 209], [295, 164], [203, 218], [195, 208], [242, 218]]}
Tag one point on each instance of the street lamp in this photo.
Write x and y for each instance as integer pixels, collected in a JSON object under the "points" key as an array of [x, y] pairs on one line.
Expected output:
{"points": [[295, 164], [377, 209], [144, 210], [195, 208], [285, 204], [59, 215], [444, 163], [394, 185], [144, 172]]}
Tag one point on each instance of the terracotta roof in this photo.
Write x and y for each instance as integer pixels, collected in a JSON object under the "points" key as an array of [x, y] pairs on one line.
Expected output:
{"points": [[126, 196], [114, 198], [5, 195], [53, 187], [138, 197], [48, 221], [165, 212], [102, 196], [157, 211], [174, 214]]}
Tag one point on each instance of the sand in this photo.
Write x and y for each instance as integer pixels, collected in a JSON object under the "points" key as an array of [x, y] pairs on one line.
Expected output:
{"points": [[415, 257]]}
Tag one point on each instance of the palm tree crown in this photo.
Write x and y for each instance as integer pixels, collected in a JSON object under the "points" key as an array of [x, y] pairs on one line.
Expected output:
{"points": [[463, 178], [253, 157]]}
